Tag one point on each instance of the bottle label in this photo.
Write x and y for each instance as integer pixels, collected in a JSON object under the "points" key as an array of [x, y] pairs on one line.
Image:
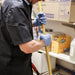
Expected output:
{"points": [[72, 51]]}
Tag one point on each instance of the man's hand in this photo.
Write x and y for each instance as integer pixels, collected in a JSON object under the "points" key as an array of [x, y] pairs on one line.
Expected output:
{"points": [[40, 19], [46, 39]]}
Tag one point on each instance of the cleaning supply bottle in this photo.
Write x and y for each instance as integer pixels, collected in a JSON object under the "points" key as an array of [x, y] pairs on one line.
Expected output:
{"points": [[72, 50], [35, 33]]}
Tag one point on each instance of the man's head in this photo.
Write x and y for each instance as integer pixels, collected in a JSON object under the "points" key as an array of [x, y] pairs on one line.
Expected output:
{"points": [[34, 1]]}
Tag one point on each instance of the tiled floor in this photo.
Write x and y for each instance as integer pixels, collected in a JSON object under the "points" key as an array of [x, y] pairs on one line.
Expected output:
{"points": [[41, 74], [60, 72]]}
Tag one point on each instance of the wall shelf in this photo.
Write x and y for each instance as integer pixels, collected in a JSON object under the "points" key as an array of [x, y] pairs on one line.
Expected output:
{"points": [[69, 25], [61, 56]]}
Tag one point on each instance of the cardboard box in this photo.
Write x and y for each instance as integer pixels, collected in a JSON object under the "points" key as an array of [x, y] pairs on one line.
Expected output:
{"points": [[60, 43], [59, 10], [49, 48]]}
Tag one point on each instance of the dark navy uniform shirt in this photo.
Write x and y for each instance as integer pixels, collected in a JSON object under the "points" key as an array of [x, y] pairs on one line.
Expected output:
{"points": [[15, 29]]}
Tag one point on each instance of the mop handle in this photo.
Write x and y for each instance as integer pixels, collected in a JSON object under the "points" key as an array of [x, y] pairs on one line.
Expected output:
{"points": [[46, 48]]}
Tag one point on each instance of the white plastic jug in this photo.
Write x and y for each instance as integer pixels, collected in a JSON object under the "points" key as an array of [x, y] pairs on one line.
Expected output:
{"points": [[72, 50]]}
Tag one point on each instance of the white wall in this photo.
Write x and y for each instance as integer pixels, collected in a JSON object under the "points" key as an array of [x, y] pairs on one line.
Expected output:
{"points": [[57, 26]]}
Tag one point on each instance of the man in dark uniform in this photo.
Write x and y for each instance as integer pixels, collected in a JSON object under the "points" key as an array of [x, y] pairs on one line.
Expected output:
{"points": [[16, 41]]}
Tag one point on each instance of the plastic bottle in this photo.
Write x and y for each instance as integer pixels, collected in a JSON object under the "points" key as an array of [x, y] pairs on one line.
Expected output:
{"points": [[35, 32], [72, 50]]}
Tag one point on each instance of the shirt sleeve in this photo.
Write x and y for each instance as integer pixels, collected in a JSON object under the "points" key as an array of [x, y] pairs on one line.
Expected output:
{"points": [[18, 26]]}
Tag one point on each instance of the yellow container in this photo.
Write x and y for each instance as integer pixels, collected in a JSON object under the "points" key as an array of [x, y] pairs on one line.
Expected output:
{"points": [[60, 43]]}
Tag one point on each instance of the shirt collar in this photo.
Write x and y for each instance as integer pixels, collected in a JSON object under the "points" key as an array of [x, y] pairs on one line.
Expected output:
{"points": [[27, 2]]}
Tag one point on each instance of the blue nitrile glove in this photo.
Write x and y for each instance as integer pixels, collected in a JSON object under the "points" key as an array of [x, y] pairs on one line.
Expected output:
{"points": [[46, 38], [40, 19]]}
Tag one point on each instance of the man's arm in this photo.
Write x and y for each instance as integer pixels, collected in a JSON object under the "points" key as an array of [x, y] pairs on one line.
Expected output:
{"points": [[31, 46]]}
